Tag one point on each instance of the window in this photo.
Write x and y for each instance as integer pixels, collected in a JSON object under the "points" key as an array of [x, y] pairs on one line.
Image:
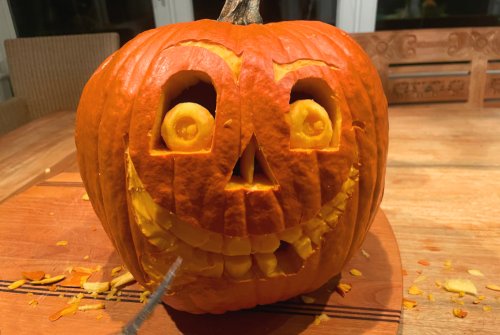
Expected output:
{"points": [[61, 17], [412, 14]]}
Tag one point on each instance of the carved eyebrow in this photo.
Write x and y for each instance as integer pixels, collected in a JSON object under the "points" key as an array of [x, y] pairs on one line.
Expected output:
{"points": [[281, 70], [233, 60]]}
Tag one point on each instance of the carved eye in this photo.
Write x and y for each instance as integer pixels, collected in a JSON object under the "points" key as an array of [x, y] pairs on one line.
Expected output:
{"points": [[187, 121], [188, 127], [310, 126]]}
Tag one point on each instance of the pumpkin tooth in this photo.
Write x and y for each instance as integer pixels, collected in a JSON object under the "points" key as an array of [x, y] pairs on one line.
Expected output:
{"points": [[214, 243], [216, 268], [303, 247], [267, 263], [193, 236], [330, 214], [315, 229], [236, 246], [267, 243], [204, 263], [237, 266], [290, 235], [247, 161]]}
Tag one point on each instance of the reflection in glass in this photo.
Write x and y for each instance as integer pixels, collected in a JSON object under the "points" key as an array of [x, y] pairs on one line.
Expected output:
{"points": [[62, 17], [411, 14]]}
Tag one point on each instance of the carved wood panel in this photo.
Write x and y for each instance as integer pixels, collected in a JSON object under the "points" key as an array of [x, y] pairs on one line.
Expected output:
{"points": [[428, 89], [472, 46]]}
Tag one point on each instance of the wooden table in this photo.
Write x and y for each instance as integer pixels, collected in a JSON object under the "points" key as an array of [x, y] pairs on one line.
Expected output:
{"points": [[36, 151], [443, 200]]}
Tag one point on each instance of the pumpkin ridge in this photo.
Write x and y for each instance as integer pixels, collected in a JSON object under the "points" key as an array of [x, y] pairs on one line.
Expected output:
{"points": [[125, 235], [359, 78], [92, 89]]}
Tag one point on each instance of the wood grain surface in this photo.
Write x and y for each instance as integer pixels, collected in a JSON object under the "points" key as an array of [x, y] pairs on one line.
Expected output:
{"points": [[32, 222], [443, 200], [36, 151]]}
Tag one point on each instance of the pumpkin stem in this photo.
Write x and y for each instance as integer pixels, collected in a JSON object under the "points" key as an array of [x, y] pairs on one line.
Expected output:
{"points": [[241, 12]]}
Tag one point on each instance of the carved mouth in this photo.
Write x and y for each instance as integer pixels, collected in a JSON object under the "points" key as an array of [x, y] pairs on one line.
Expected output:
{"points": [[210, 254]]}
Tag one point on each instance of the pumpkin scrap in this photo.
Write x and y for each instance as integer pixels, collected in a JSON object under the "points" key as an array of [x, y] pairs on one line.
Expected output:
{"points": [[343, 289], [116, 270], [50, 280], [70, 309], [476, 273], [364, 253], [96, 287], [85, 197], [76, 278], [321, 318], [414, 290], [122, 280], [112, 294], [355, 272], [424, 262], [438, 283], [86, 257], [91, 307], [430, 296], [307, 300], [33, 275], [16, 284], [144, 296], [76, 299], [460, 285], [409, 304], [493, 287], [419, 279], [457, 301], [459, 313], [33, 302], [487, 308], [62, 243], [447, 264]]}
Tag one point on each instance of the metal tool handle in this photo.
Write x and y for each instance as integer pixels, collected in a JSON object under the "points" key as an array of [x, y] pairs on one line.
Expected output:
{"points": [[133, 326]]}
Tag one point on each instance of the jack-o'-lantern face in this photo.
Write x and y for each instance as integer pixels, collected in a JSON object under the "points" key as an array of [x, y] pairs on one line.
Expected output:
{"points": [[257, 159]]}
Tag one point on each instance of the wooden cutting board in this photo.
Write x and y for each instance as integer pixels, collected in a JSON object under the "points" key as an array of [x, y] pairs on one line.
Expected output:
{"points": [[32, 222]]}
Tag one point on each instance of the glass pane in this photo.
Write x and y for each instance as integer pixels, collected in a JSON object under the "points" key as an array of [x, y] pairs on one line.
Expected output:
{"points": [[276, 10], [412, 14], [62, 17]]}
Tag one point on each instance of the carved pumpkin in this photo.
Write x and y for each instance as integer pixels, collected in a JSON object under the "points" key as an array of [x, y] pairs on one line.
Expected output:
{"points": [[257, 153]]}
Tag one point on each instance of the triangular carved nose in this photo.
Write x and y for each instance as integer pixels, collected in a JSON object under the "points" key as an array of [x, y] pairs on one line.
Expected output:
{"points": [[252, 168]]}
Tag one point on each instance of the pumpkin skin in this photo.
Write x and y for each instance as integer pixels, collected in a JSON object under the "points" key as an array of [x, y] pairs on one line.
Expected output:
{"points": [[254, 70]]}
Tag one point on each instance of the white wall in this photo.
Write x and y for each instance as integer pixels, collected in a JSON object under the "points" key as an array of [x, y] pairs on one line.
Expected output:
{"points": [[6, 31], [356, 16]]}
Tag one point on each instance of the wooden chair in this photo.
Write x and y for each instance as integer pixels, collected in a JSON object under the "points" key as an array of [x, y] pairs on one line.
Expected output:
{"points": [[48, 73], [428, 66]]}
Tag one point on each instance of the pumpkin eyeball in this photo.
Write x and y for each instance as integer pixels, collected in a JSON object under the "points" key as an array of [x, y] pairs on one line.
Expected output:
{"points": [[310, 125], [188, 127]]}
